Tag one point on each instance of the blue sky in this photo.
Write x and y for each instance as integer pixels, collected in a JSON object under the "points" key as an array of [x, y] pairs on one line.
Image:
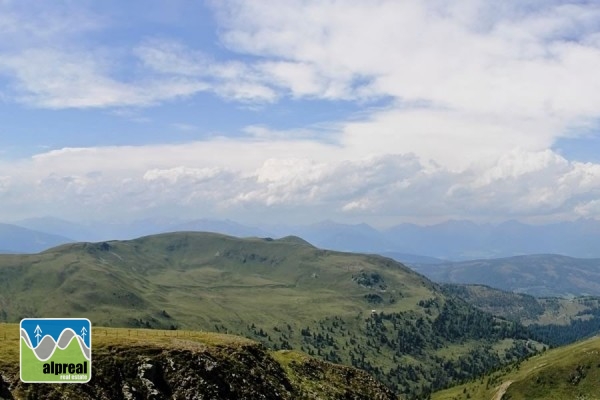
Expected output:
{"points": [[299, 111]]}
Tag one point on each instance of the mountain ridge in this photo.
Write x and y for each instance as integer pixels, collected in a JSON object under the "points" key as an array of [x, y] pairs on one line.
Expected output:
{"points": [[541, 275], [455, 240], [361, 310], [16, 239]]}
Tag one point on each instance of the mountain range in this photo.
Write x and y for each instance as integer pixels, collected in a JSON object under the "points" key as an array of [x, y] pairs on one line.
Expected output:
{"points": [[447, 241], [17, 239], [542, 275]]}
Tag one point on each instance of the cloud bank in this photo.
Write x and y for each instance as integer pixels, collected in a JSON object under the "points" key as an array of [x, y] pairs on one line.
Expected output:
{"points": [[86, 183]]}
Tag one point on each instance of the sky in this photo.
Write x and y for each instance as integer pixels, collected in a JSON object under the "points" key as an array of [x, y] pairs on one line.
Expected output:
{"points": [[294, 112]]}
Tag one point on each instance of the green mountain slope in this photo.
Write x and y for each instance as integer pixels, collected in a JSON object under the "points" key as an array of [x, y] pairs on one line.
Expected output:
{"points": [[361, 310], [569, 372], [543, 275]]}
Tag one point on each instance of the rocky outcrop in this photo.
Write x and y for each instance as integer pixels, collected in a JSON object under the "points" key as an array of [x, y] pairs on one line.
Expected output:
{"points": [[244, 371]]}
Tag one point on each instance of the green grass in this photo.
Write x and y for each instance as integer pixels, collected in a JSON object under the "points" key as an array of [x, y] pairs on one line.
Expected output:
{"points": [[197, 279], [194, 281], [104, 337], [569, 372]]}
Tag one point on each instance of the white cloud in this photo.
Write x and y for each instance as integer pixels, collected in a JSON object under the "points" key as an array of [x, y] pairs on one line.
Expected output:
{"points": [[472, 73], [26, 23], [5, 182], [170, 57], [476, 92], [193, 178], [518, 163], [54, 79], [179, 174], [471, 80]]}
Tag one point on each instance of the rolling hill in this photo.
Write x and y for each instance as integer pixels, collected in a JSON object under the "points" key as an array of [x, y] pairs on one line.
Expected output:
{"points": [[542, 275], [365, 311]]}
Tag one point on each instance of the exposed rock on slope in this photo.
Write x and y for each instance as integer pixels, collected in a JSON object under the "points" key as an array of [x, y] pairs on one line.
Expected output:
{"points": [[192, 370]]}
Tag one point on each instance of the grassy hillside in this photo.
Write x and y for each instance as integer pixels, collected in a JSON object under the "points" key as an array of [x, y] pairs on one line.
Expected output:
{"points": [[129, 282], [136, 363], [570, 372], [361, 310], [542, 275]]}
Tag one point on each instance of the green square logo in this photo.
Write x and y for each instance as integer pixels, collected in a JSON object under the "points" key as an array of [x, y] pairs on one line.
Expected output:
{"points": [[56, 350]]}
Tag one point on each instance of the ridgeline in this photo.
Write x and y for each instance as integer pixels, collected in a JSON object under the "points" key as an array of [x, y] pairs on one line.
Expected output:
{"points": [[364, 311]]}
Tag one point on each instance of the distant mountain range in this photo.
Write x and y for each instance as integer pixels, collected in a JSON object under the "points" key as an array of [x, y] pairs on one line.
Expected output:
{"points": [[16, 239], [409, 243], [426, 249], [537, 275]]}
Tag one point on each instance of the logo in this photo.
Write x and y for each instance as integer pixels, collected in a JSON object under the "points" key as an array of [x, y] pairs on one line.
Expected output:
{"points": [[56, 350]]}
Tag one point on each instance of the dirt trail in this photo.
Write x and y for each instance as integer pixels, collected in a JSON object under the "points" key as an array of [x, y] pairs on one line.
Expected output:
{"points": [[501, 390]]}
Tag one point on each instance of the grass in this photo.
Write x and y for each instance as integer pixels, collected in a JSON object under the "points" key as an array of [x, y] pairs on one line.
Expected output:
{"points": [[104, 337], [562, 373], [197, 281]]}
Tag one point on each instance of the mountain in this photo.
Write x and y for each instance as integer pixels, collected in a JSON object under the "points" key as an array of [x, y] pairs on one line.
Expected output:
{"points": [[99, 231], [225, 227], [555, 321], [342, 237], [411, 259], [124, 230], [365, 311], [548, 275], [447, 240], [569, 372], [454, 240], [464, 240], [61, 227], [142, 364], [15, 239]]}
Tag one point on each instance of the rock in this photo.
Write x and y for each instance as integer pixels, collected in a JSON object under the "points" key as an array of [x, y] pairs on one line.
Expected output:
{"points": [[246, 371]]}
